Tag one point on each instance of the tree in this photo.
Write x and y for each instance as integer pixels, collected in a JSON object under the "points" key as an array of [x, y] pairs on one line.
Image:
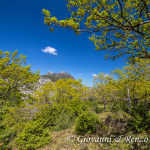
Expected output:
{"points": [[63, 90], [131, 84], [119, 26], [104, 86], [136, 77], [45, 93], [15, 78], [69, 89]]}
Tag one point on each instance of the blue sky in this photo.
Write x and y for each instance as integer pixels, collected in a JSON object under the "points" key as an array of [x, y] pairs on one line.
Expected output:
{"points": [[22, 28]]}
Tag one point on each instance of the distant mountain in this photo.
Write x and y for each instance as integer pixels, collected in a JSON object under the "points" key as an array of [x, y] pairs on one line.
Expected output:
{"points": [[56, 76]]}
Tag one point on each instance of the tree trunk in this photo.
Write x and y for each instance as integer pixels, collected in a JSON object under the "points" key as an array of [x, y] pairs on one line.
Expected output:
{"points": [[105, 101], [128, 98]]}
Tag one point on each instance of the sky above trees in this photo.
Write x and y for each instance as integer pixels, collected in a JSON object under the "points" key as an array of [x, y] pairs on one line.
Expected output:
{"points": [[22, 28]]}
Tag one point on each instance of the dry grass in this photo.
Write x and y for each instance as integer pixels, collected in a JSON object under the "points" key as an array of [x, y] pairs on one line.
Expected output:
{"points": [[60, 142]]}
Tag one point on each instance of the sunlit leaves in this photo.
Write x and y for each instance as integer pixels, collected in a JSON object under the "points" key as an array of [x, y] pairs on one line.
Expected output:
{"points": [[120, 26], [15, 78], [137, 77], [60, 91]]}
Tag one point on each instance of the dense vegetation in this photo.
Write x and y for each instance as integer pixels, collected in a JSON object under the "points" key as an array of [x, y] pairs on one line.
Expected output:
{"points": [[117, 104]]}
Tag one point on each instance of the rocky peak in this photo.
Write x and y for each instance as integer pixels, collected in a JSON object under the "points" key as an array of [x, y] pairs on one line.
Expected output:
{"points": [[56, 76]]}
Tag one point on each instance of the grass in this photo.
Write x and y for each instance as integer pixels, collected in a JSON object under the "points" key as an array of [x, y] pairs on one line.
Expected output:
{"points": [[60, 142]]}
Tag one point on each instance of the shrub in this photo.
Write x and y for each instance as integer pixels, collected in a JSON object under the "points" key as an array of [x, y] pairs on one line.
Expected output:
{"points": [[94, 106], [77, 106], [135, 124], [6, 136], [58, 117], [87, 122], [12, 121], [115, 106], [66, 117], [140, 118], [50, 115], [65, 121], [33, 135]]}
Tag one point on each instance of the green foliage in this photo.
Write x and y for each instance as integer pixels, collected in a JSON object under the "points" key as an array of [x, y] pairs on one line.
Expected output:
{"points": [[62, 115], [33, 135], [15, 78], [50, 114], [136, 77], [57, 117], [104, 86], [65, 120], [119, 26], [12, 122], [119, 105], [69, 89], [87, 122], [129, 91], [136, 124], [6, 135], [140, 118], [45, 94], [115, 106], [94, 106], [77, 106], [66, 117], [62, 91]]}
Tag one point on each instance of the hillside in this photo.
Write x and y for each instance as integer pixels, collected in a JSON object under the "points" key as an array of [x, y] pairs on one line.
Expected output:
{"points": [[56, 76]]}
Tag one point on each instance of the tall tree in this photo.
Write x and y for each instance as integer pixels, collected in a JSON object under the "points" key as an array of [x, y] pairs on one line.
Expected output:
{"points": [[136, 77], [119, 26], [15, 78], [104, 86]]}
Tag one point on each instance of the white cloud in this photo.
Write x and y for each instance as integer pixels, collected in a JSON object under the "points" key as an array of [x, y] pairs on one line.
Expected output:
{"points": [[50, 50], [94, 75]]}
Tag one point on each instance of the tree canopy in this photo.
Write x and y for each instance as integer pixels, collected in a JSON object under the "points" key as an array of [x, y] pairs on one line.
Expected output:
{"points": [[116, 26], [15, 78], [133, 79], [61, 91]]}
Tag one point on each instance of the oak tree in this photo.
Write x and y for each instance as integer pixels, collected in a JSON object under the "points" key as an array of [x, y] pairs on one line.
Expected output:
{"points": [[15, 78], [116, 26]]}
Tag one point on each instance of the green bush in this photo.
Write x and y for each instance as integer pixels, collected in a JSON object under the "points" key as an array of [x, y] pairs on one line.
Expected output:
{"points": [[50, 115], [33, 135], [77, 106], [66, 117], [65, 121], [5, 137], [12, 121], [135, 124], [58, 117], [87, 122], [115, 106], [140, 118], [94, 105]]}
